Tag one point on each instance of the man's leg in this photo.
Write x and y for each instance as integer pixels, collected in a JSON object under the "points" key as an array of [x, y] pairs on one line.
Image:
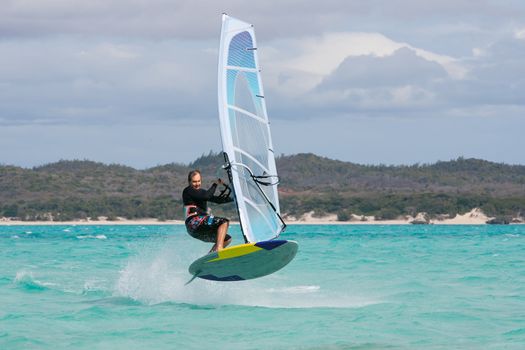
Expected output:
{"points": [[221, 235]]}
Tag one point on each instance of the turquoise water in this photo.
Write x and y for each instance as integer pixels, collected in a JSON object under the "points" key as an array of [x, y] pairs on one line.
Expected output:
{"points": [[350, 287]]}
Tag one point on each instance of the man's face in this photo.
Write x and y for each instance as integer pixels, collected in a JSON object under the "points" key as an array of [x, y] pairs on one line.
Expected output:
{"points": [[196, 181]]}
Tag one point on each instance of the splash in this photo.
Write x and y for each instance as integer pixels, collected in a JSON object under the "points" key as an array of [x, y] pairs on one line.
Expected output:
{"points": [[158, 273]]}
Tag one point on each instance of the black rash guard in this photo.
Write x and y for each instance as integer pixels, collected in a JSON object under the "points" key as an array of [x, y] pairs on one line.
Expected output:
{"points": [[199, 223], [200, 197]]}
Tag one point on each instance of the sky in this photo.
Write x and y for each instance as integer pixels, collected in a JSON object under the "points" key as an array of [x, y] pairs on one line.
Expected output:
{"points": [[134, 82]]}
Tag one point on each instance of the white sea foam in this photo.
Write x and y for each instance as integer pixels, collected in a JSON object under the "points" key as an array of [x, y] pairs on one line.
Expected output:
{"points": [[158, 274], [91, 236], [513, 235], [26, 278], [23, 275], [295, 289]]}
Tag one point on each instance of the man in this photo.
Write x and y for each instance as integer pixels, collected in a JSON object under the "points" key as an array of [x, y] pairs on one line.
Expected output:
{"points": [[199, 223]]}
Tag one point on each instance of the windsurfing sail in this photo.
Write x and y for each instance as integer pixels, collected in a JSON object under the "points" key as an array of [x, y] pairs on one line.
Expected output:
{"points": [[245, 132]]}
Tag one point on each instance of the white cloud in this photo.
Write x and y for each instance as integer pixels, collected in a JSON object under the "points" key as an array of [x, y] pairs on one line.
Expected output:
{"points": [[403, 67], [117, 52], [125, 62], [86, 81], [405, 95], [520, 34], [300, 65], [477, 52], [323, 55]]}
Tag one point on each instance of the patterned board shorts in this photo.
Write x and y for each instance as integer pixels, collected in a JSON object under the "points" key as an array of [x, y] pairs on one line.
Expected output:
{"points": [[204, 227]]}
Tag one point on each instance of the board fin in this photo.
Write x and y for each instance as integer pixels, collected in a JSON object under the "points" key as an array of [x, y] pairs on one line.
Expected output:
{"points": [[194, 277]]}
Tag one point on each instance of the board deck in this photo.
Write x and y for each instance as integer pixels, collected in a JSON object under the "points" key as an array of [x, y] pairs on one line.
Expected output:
{"points": [[245, 261]]}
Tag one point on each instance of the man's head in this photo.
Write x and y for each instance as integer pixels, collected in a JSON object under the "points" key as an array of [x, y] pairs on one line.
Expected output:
{"points": [[194, 179]]}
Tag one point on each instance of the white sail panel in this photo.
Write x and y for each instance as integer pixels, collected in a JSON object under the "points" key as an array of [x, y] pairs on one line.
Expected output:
{"points": [[245, 132]]}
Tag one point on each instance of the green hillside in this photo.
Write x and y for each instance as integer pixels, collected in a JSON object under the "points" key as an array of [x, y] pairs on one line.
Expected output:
{"points": [[78, 189]]}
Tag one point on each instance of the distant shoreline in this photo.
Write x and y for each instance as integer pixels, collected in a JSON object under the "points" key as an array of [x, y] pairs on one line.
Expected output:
{"points": [[180, 222], [474, 217]]}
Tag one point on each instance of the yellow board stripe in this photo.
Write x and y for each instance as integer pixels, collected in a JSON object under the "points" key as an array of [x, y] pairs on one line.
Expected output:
{"points": [[236, 251]]}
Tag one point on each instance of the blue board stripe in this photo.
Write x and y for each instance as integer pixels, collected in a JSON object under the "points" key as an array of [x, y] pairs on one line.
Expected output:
{"points": [[227, 278], [269, 245]]}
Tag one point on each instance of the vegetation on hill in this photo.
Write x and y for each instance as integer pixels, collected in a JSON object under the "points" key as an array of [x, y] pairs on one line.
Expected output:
{"points": [[76, 189]]}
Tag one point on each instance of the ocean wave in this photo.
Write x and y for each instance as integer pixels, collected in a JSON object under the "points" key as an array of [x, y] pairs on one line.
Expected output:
{"points": [[515, 332], [92, 237], [512, 235], [114, 300], [26, 280]]}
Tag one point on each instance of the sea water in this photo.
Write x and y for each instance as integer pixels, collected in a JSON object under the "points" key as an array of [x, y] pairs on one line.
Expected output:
{"points": [[349, 287]]}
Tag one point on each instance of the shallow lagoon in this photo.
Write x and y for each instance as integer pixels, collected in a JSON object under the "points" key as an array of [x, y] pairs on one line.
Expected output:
{"points": [[350, 286]]}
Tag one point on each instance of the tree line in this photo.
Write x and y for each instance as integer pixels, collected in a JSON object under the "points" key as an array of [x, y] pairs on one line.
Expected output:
{"points": [[79, 189]]}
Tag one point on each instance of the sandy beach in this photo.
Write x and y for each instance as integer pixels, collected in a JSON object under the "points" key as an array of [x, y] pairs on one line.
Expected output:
{"points": [[474, 217], [101, 221]]}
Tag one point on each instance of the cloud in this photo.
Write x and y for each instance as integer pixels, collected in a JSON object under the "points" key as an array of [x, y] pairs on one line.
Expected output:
{"points": [[401, 68], [199, 19], [520, 34], [140, 18], [68, 80], [300, 65], [495, 77], [374, 74], [97, 64], [72, 79], [162, 19], [372, 83], [346, 72]]}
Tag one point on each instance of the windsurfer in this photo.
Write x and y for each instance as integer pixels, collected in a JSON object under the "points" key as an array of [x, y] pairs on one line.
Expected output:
{"points": [[199, 222]]}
